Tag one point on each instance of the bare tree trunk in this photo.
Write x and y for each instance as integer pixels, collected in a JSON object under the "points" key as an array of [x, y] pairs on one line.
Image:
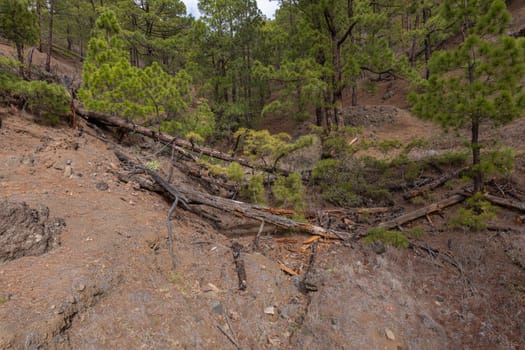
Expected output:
{"points": [[50, 35], [20, 56], [478, 175]]}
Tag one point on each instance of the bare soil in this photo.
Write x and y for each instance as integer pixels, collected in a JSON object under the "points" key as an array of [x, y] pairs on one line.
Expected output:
{"points": [[106, 281], [110, 283]]}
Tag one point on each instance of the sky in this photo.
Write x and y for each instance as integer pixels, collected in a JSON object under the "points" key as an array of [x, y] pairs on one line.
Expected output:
{"points": [[267, 7]]}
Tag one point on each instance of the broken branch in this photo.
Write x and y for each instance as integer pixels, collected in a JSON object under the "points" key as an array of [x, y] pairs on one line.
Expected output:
{"points": [[416, 214]]}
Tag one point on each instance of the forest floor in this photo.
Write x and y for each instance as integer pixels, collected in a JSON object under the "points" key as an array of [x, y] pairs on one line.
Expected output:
{"points": [[106, 281], [109, 283]]}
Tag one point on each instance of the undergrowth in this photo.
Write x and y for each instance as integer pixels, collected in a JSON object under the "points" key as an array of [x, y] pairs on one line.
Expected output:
{"points": [[393, 238]]}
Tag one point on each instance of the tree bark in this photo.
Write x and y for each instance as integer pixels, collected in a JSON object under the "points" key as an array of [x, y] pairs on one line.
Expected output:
{"points": [[416, 214], [432, 185], [478, 175], [20, 56], [50, 35]]}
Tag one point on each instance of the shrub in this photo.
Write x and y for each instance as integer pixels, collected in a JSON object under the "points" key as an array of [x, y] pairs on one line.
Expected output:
{"points": [[475, 215], [235, 172], [254, 190], [391, 237], [48, 101], [289, 191]]}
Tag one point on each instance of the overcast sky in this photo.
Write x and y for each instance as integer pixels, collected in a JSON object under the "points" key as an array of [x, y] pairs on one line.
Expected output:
{"points": [[266, 6]]}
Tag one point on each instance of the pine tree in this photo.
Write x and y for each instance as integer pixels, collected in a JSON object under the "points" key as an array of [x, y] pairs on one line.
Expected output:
{"points": [[480, 81], [112, 85], [18, 25]]}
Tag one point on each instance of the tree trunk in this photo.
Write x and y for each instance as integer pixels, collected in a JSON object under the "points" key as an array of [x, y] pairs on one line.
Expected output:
{"points": [[478, 175], [131, 127], [39, 14], [319, 116], [50, 35], [354, 96], [20, 56], [428, 47]]}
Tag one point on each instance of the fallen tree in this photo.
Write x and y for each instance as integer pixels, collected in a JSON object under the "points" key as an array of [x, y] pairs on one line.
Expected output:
{"points": [[188, 197], [432, 185], [416, 214], [160, 136]]}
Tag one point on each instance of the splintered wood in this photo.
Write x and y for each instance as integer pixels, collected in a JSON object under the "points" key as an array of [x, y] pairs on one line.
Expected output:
{"points": [[239, 265]]}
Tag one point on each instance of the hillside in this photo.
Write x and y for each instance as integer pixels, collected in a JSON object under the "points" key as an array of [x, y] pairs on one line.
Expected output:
{"points": [[85, 257], [109, 283]]}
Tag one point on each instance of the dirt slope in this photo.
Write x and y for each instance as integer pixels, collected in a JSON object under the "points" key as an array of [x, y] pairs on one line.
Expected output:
{"points": [[109, 284]]}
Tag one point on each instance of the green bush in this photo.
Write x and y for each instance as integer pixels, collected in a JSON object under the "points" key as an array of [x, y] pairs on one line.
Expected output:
{"points": [[289, 191], [391, 237], [475, 215], [235, 172], [335, 180], [48, 101], [254, 190]]}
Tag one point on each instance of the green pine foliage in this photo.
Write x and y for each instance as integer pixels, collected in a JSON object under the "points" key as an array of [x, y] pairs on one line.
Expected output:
{"points": [[480, 81], [18, 24], [475, 215], [289, 191], [261, 145], [254, 190], [391, 237], [112, 85]]}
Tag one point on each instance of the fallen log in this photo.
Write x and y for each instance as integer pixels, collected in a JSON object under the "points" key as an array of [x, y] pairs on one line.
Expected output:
{"points": [[242, 209], [132, 127], [507, 203], [432, 185], [416, 214]]}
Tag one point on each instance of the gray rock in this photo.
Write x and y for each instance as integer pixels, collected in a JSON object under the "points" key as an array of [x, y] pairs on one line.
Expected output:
{"points": [[102, 186]]}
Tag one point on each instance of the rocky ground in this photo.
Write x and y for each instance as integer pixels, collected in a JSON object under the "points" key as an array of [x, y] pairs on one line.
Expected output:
{"points": [[106, 281]]}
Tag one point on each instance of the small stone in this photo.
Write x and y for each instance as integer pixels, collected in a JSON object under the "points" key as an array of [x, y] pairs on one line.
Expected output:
{"points": [[378, 247], [71, 299], [102, 186], [68, 171], [270, 310], [389, 334], [81, 287], [217, 308], [210, 287], [440, 298]]}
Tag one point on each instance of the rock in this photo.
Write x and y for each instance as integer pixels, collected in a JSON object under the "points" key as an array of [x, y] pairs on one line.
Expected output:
{"points": [[217, 308], [378, 247], [68, 171], [389, 334], [429, 323], [102, 186], [210, 287], [270, 310], [25, 231]]}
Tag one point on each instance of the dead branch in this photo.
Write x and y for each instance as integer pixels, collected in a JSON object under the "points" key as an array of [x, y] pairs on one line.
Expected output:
{"points": [[416, 214], [230, 338], [432, 185], [256, 240], [170, 232], [242, 209], [507, 203], [435, 253], [308, 282], [239, 265]]}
